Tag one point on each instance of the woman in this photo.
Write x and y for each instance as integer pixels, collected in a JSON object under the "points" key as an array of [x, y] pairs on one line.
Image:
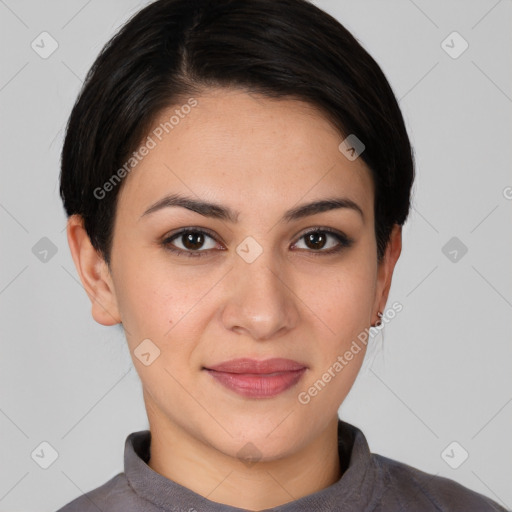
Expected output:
{"points": [[236, 176]]}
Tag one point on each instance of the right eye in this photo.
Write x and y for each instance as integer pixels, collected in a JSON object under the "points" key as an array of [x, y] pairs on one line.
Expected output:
{"points": [[189, 242]]}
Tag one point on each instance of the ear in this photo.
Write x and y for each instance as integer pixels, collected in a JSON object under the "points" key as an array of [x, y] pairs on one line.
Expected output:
{"points": [[94, 273], [385, 269]]}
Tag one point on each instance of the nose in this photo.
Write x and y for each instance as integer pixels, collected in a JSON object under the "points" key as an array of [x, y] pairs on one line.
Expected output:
{"points": [[260, 303]]}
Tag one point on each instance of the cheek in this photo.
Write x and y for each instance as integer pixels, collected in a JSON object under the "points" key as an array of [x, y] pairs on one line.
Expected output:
{"points": [[169, 304], [342, 299], [343, 305], [160, 309], [350, 305], [151, 302]]}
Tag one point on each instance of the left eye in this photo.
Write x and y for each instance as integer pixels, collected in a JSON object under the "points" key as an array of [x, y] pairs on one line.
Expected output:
{"points": [[319, 241]]}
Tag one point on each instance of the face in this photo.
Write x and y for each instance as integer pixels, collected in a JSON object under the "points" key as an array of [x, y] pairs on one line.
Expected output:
{"points": [[257, 276]]}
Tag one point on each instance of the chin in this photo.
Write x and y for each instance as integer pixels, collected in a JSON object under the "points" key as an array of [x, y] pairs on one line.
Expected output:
{"points": [[249, 440]]}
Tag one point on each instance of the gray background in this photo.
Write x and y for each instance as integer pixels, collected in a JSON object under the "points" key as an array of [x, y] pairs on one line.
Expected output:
{"points": [[440, 372]]}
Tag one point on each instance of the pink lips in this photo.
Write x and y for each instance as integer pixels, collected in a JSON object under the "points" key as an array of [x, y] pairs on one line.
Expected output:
{"points": [[258, 379]]}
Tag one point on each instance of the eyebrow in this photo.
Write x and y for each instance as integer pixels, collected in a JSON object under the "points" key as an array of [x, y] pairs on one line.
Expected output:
{"points": [[217, 211]]}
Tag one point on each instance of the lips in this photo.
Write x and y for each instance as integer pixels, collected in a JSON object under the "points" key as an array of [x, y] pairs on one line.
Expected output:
{"points": [[257, 379], [246, 365]]}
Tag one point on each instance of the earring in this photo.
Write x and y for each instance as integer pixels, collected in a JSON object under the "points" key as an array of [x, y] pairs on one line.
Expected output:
{"points": [[379, 321]]}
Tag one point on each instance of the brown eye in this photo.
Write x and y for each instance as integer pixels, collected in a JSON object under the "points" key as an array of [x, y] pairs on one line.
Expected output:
{"points": [[316, 240], [190, 242], [324, 241], [193, 241]]}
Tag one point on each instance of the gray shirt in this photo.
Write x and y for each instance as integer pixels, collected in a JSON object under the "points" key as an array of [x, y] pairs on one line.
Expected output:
{"points": [[369, 482]]}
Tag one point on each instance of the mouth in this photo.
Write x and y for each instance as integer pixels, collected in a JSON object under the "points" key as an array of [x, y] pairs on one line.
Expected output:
{"points": [[257, 379]]}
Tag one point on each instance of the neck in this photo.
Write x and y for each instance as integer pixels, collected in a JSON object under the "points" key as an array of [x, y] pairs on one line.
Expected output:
{"points": [[259, 485]]}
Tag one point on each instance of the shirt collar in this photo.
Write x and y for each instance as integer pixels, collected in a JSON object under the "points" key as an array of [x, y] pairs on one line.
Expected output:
{"points": [[356, 490]]}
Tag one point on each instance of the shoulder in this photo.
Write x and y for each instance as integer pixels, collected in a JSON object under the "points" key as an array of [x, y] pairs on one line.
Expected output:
{"points": [[116, 495], [409, 487]]}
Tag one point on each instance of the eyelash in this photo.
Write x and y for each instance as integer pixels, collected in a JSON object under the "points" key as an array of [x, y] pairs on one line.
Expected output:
{"points": [[344, 242]]}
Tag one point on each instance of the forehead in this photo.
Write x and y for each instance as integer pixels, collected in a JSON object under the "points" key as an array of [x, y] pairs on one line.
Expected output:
{"points": [[245, 149]]}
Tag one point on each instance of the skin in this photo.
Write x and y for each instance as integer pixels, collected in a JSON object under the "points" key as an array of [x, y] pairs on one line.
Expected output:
{"points": [[259, 157]]}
